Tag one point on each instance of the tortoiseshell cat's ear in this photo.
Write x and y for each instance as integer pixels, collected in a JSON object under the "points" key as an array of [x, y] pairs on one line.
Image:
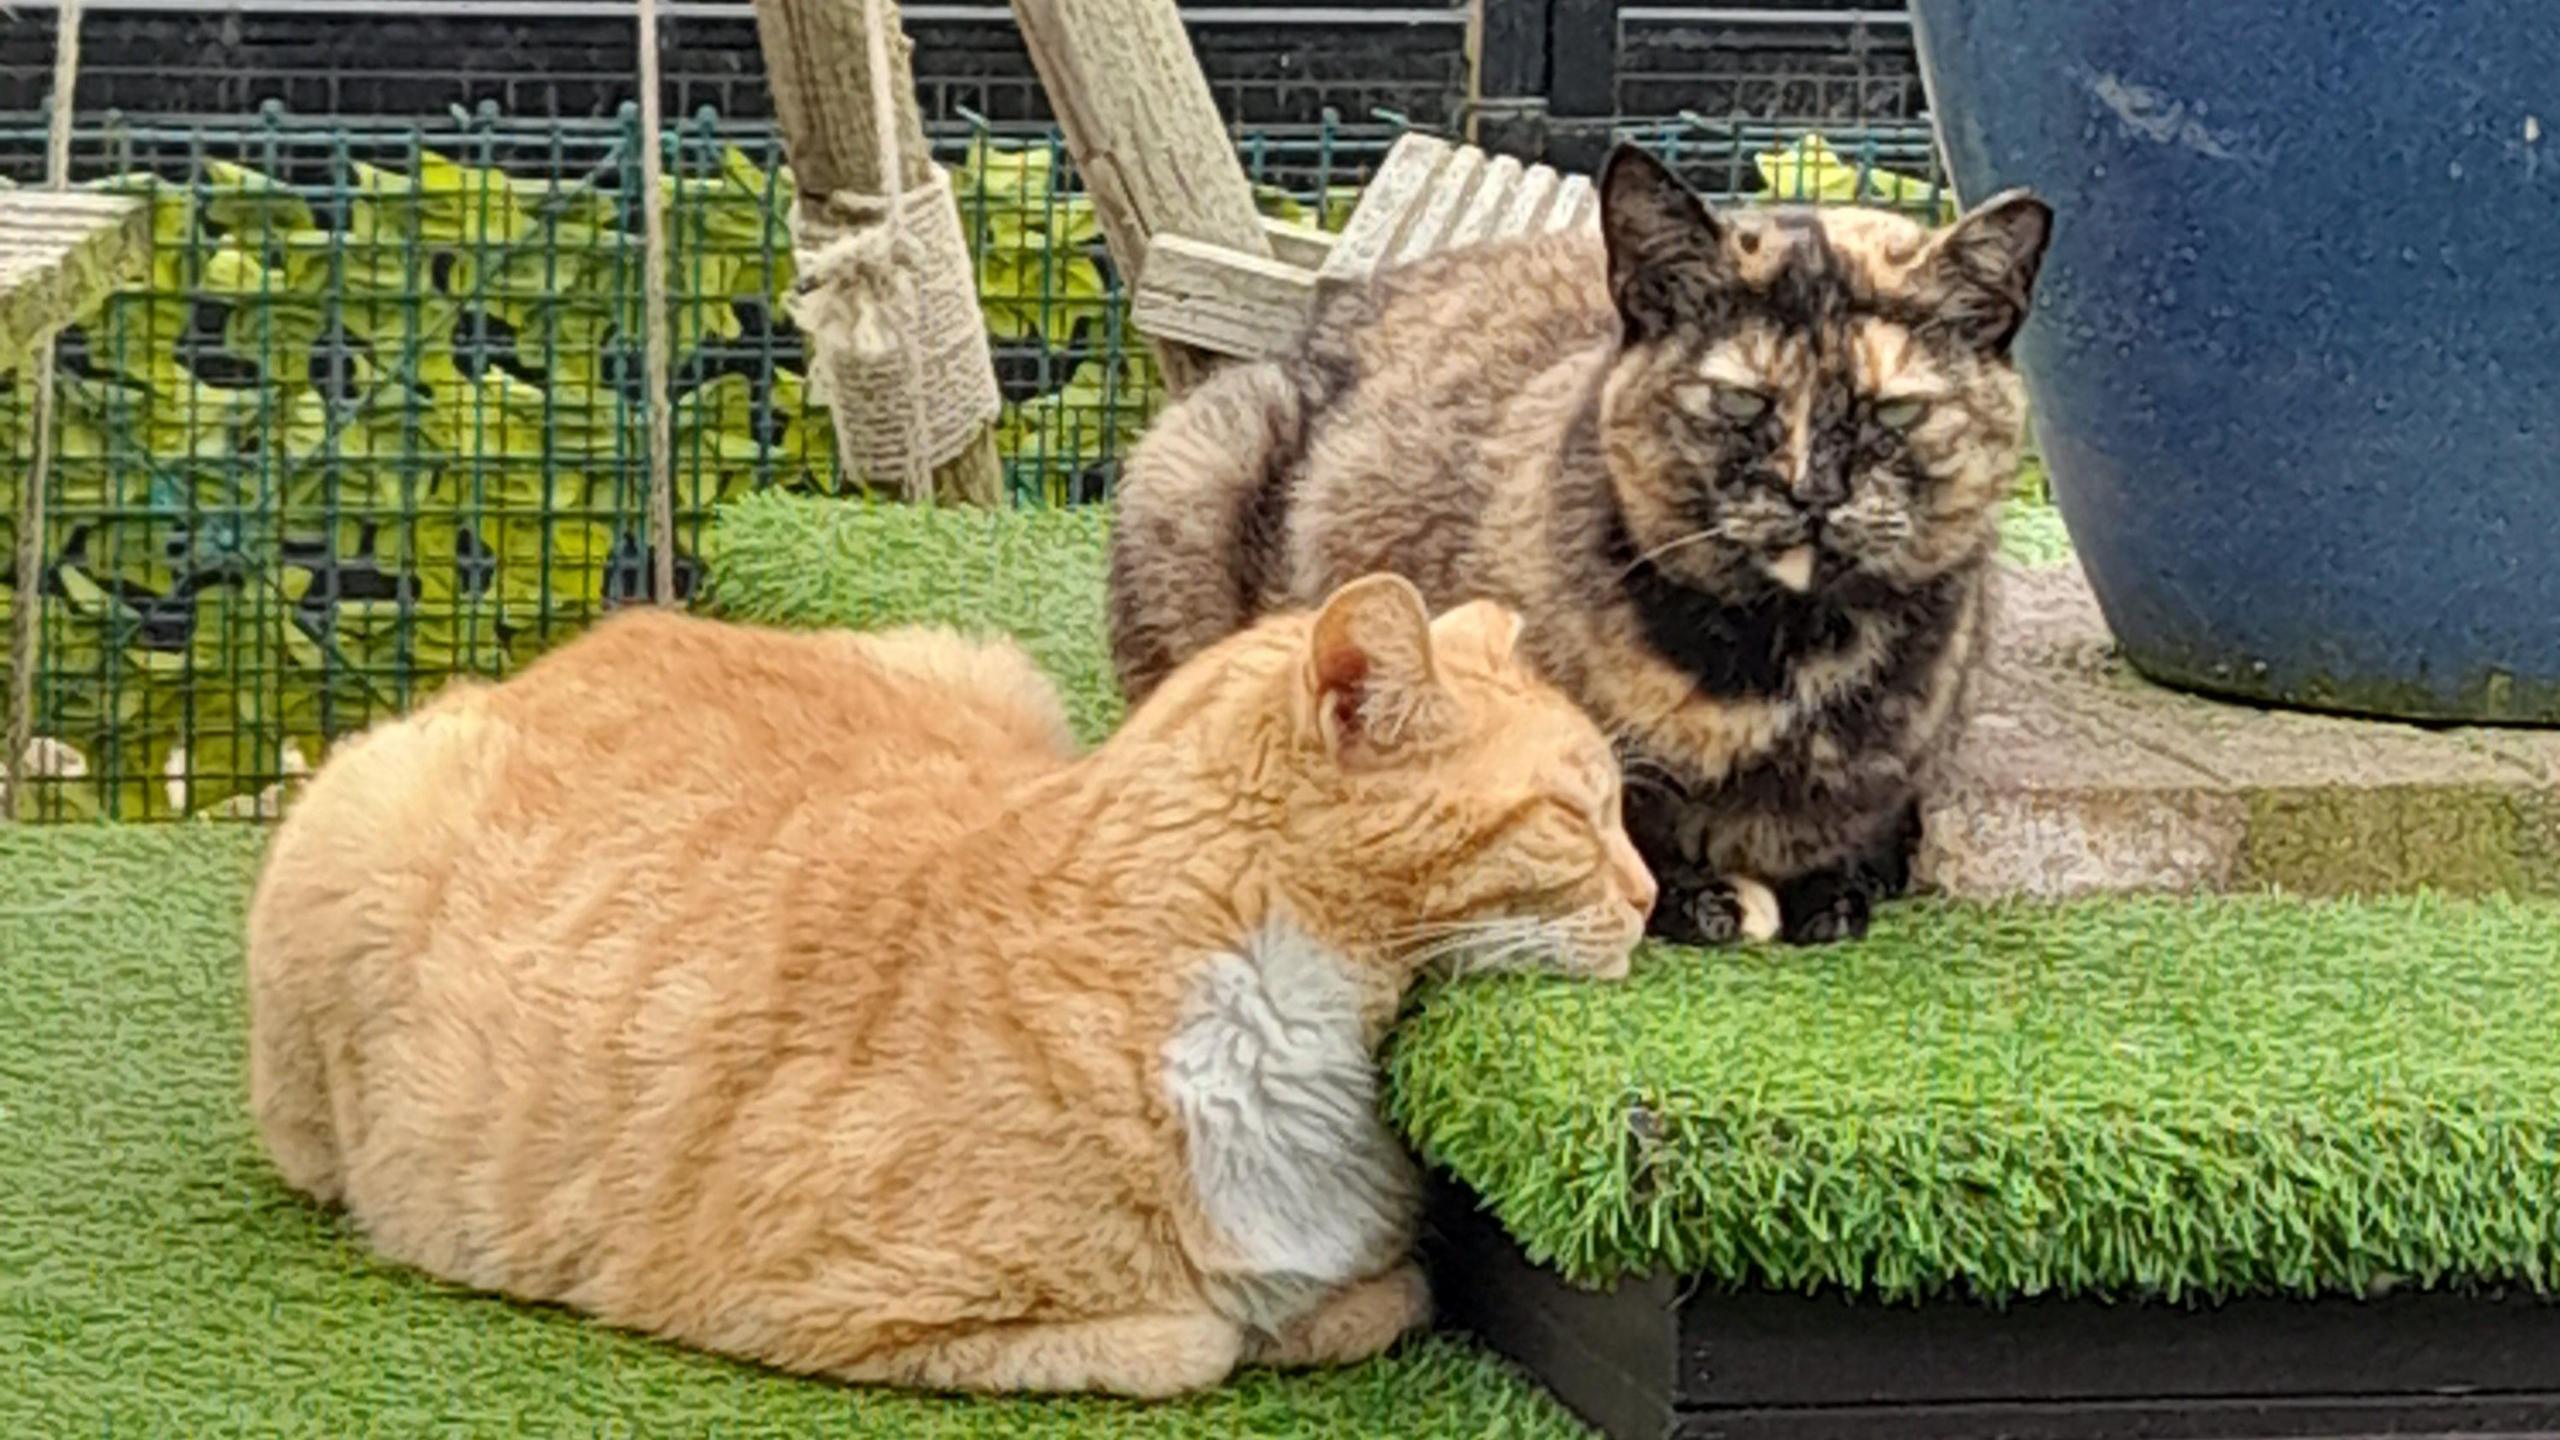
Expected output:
{"points": [[1372, 685], [1666, 248], [1982, 269]]}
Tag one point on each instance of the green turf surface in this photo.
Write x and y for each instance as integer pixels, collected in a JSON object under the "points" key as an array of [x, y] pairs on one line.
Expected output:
{"points": [[2031, 533], [156, 1280], [2169, 1097], [2181, 1098], [1036, 574], [2173, 1098]]}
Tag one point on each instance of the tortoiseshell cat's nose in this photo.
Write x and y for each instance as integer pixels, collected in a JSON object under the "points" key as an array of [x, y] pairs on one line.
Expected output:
{"points": [[1818, 490]]}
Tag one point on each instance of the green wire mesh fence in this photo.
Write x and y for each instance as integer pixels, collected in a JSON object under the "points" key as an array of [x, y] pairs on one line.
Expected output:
{"points": [[373, 417]]}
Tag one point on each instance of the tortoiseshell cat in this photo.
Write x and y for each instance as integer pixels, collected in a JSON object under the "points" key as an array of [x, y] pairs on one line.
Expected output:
{"points": [[1740, 470], [807, 997]]}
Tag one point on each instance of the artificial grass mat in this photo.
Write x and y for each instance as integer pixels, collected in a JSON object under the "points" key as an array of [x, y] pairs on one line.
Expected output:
{"points": [[2168, 1098], [1034, 574], [157, 1279], [2184, 1099], [2159, 1097]]}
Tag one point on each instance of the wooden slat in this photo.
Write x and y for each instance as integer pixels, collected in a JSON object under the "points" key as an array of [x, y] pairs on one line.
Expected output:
{"points": [[1297, 243], [1574, 206], [1213, 298], [1385, 206], [1530, 202], [1428, 230], [1427, 196], [61, 252], [1487, 206], [1145, 133], [24, 206]]}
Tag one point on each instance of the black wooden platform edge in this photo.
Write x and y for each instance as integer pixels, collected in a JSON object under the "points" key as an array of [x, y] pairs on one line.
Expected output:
{"points": [[1642, 1363]]}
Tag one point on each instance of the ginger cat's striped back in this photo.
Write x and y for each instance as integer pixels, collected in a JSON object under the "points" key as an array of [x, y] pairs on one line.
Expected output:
{"points": [[807, 997]]}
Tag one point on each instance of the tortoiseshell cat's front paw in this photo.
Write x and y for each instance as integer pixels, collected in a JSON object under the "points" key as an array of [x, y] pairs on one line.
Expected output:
{"points": [[1704, 913], [1825, 908], [1696, 908]]}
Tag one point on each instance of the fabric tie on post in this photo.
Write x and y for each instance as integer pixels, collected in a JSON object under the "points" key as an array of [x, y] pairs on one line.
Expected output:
{"points": [[888, 298]]}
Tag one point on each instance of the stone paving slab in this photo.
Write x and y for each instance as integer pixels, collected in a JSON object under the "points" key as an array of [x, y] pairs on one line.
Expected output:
{"points": [[2078, 777]]}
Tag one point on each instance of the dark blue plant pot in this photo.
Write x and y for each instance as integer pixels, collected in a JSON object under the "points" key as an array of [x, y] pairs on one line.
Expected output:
{"points": [[2295, 361]]}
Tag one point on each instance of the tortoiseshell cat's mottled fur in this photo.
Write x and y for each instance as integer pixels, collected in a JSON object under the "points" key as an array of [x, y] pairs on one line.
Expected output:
{"points": [[1741, 470]]}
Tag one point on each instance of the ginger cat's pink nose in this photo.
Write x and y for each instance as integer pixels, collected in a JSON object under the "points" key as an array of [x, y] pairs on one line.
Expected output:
{"points": [[1642, 890], [1633, 873]]}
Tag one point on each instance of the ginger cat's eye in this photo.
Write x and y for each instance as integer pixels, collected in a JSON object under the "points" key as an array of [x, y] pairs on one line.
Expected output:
{"points": [[1741, 406], [1900, 414]]}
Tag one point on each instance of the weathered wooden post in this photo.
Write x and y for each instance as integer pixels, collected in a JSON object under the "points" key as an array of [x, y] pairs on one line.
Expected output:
{"points": [[878, 236], [1507, 76], [60, 254], [1544, 80], [1146, 138], [1582, 83]]}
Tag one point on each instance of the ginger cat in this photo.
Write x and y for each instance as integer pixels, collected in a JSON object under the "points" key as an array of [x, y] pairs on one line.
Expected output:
{"points": [[806, 997]]}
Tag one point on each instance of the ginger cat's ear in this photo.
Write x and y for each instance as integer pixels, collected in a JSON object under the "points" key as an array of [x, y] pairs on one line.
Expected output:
{"points": [[1484, 628], [1371, 685]]}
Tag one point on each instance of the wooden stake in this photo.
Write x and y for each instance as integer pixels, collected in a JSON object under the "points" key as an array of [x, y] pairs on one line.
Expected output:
{"points": [[817, 55], [1138, 118], [26, 593], [658, 358]]}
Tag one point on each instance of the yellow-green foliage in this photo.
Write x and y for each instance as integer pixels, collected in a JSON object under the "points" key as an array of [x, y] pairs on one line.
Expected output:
{"points": [[338, 443], [1810, 171]]}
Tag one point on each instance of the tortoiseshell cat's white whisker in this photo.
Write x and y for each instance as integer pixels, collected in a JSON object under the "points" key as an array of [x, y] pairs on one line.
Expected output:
{"points": [[1695, 537]]}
